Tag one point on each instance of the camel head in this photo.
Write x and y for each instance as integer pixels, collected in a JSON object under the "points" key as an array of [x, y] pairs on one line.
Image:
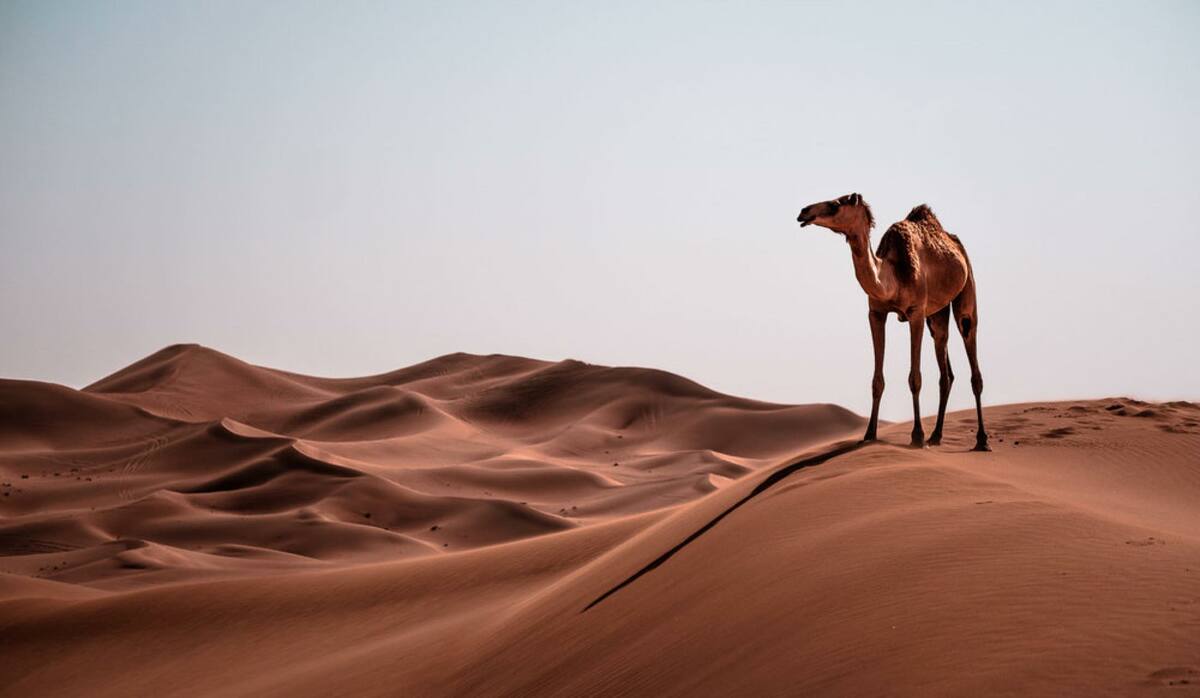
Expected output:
{"points": [[843, 215]]}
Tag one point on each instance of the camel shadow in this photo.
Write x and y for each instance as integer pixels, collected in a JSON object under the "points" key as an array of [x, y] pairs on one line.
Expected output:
{"points": [[925, 447]]}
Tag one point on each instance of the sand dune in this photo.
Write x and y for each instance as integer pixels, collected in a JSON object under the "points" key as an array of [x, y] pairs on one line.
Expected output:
{"points": [[210, 461], [195, 525]]}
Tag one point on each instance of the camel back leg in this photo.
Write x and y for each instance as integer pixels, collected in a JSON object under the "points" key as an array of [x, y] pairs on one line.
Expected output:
{"points": [[966, 317], [939, 329]]}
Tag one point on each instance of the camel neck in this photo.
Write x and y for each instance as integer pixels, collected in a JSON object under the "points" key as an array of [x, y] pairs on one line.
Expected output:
{"points": [[866, 265], [860, 243]]}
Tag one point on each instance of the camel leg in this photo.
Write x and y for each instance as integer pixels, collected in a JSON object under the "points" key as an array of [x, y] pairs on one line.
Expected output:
{"points": [[968, 330], [878, 326], [939, 329], [916, 328], [967, 319]]}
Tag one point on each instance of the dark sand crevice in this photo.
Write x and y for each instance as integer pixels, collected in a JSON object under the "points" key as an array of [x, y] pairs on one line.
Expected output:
{"points": [[772, 480]]}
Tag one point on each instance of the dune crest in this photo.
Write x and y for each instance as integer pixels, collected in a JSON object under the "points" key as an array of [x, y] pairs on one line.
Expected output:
{"points": [[193, 451]]}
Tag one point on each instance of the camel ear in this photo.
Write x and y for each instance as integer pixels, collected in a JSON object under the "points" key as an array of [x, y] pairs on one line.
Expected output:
{"points": [[855, 198]]}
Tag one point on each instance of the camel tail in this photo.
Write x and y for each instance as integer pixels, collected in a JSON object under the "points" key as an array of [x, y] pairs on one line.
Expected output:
{"points": [[966, 313]]}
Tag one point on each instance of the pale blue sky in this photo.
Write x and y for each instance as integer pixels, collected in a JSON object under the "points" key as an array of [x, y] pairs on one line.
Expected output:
{"points": [[346, 188]]}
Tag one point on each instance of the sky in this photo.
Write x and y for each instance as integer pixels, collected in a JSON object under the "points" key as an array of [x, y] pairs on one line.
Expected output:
{"points": [[347, 188]]}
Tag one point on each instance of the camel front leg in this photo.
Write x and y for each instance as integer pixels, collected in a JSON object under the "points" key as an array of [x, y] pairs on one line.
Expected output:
{"points": [[878, 327], [916, 327]]}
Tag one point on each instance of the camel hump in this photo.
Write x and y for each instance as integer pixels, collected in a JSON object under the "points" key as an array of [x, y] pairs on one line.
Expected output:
{"points": [[922, 214]]}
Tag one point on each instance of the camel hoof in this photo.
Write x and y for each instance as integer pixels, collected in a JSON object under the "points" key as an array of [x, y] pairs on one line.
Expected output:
{"points": [[982, 447], [935, 440], [917, 443]]}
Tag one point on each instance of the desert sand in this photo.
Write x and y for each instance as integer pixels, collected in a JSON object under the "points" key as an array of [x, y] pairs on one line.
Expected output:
{"points": [[492, 525]]}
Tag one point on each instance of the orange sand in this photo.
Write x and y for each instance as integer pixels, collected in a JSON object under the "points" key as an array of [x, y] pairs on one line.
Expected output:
{"points": [[194, 525]]}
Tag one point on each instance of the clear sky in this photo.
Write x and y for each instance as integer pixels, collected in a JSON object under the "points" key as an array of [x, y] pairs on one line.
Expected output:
{"points": [[344, 188]]}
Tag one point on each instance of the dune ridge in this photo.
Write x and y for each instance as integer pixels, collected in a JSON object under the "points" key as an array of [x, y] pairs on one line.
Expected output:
{"points": [[491, 525], [198, 453]]}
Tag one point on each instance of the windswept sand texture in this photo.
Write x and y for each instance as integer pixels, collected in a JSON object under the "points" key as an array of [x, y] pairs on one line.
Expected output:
{"points": [[194, 525]]}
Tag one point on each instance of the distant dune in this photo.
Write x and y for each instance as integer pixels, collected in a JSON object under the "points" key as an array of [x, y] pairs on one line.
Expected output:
{"points": [[492, 525]]}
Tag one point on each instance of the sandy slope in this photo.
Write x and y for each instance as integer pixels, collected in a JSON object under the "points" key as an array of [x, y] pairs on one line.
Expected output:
{"points": [[501, 526]]}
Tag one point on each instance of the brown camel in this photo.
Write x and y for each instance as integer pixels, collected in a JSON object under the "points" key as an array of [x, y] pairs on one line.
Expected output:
{"points": [[920, 272]]}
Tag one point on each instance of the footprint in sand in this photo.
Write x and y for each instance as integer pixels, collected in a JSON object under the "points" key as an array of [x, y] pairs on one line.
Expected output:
{"points": [[16, 545], [1058, 433], [139, 461], [145, 455], [1174, 676]]}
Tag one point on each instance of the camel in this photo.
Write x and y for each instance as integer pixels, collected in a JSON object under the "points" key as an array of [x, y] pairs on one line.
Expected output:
{"points": [[921, 273]]}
